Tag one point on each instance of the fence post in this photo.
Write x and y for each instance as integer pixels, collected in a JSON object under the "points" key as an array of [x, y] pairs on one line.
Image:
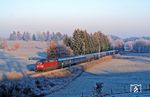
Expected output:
{"points": [[124, 89], [111, 92], [82, 95]]}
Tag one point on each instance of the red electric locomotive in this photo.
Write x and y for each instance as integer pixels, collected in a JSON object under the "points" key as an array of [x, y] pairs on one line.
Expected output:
{"points": [[45, 64]]}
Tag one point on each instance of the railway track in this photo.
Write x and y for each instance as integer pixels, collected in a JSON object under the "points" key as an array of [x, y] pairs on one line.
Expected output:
{"points": [[50, 73]]}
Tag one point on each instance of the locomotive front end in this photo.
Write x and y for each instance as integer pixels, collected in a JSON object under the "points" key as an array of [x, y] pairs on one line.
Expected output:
{"points": [[40, 66]]}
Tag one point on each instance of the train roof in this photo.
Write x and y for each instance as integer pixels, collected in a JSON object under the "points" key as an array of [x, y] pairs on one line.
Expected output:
{"points": [[70, 58], [83, 56]]}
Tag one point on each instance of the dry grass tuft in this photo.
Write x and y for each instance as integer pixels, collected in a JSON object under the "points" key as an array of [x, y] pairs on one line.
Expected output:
{"points": [[14, 75]]}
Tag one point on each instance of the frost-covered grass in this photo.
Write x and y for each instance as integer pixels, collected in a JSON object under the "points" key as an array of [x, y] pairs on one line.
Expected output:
{"points": [[116, 74], [145, 94], [139, 54], [35, 87]]}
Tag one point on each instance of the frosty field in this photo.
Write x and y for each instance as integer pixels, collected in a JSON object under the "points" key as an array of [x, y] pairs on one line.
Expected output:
{"points": [[15, 63], [116, 76]]}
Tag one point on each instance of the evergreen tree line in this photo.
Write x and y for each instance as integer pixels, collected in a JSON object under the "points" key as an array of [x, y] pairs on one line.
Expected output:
{"points": [[84, 43], [44, 36]]}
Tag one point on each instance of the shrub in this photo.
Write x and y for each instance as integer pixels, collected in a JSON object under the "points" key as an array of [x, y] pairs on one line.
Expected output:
{"points": [[55, 50], [16, 45]]}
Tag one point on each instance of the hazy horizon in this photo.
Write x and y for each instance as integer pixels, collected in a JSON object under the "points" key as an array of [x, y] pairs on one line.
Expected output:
{"points": [[113, 17]]}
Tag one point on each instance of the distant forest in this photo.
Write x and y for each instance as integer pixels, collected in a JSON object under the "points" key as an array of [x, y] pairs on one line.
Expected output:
{"points": [[42, 36]]}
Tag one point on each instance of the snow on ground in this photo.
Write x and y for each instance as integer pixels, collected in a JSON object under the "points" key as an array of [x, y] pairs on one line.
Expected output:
{"points": [[117, 75], [26, 48], [36, 86], [10, 66], [139, 54], [15, 63], [131, 95]]}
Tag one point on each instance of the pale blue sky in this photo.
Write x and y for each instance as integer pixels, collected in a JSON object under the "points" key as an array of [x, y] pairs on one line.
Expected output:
{"points": [[124, 18]]}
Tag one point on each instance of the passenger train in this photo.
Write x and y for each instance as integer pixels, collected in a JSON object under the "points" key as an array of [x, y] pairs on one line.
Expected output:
{"points": [[45, 64]]}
